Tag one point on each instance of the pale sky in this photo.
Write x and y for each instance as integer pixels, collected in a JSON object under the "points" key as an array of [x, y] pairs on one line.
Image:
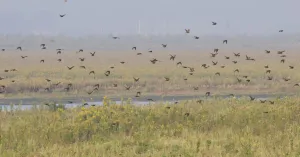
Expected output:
{"points": [[85, 17]]}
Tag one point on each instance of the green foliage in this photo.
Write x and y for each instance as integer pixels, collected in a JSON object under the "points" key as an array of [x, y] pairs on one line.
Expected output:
{"points": [[229, 127]]}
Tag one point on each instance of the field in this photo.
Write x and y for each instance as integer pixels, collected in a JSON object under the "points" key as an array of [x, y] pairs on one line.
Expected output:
{"points": [[207, 126], [30, 78], [228, 127]]}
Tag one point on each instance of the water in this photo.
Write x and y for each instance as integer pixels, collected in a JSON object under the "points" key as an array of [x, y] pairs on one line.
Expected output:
{"points": [[29, 103]]}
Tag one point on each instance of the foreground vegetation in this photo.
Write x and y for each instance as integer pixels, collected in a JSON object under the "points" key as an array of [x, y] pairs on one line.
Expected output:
{"points": [[227, 127]]}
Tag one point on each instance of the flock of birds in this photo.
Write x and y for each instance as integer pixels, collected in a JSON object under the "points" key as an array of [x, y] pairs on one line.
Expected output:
{"points": [[172, 57]]}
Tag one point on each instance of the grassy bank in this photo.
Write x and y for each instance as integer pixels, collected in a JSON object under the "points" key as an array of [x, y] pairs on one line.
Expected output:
{"points": [[227, 127]]}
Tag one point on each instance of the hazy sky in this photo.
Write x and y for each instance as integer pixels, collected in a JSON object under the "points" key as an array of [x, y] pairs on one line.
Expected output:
{"points": [[157, 16]]}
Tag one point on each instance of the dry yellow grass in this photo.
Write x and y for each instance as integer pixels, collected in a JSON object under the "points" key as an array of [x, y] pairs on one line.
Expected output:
{"points": [[31, 75]]}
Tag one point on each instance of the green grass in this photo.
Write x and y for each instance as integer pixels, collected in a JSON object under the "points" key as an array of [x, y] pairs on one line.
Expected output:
{"points": [[221, 127]]}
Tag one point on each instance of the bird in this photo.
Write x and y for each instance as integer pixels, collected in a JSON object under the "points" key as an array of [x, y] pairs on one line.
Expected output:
{"points": [[89, 93], [164, 45], [92, 72], [167, 78], [214, 63], [3, 50], [115, 37], [281, 30], [133, 48], [19, 48], [107, 73], [136, 79], [270, 78], [62, 15], [82, 66], [154, 60], [214, 54], [70, 68], [42, 61], [286, 79], [81, 59], [225, 41], [214, 23], [196, 37], [251, 98], [236, 70], [263, 101], [172, 57], [127, 87], [93, 54], [179, 63], [23, 57], [138, 94], [237, 54], [187, 31], [207, 94], [196, 88], [267, 51]]}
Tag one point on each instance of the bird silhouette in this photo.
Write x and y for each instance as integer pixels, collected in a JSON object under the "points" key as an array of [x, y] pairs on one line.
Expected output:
{"points": [[19, 48], [92, 54], [127, 87], [187, 31], [167, 78], [62, 15], [214, 63], [134, 48], [70, 68], [251, 98], [214, 23], [92, 72], [225, 41], [164, 45], [107, 73], [172, 57], [136, 79], [237, 54]]}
